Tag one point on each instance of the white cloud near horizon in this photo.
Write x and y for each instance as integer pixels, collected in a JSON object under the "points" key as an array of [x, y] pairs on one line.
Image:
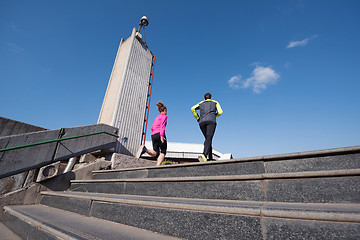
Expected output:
{"points": [[301, 42], [260, 79]]}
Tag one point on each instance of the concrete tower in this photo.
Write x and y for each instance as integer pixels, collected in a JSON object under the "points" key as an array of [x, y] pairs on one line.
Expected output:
{"points": [[127, 94]]}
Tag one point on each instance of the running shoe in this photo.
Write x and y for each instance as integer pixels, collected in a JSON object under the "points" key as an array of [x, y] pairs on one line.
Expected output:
{"points": [[141, 151], [202, 158]]}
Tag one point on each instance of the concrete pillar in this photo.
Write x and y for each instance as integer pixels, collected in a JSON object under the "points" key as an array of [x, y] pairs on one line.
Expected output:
{"points": [[124, 104]]}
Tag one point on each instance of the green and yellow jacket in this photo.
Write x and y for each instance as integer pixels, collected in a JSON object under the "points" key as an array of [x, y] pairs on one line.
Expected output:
{"points": [[209, 109]]}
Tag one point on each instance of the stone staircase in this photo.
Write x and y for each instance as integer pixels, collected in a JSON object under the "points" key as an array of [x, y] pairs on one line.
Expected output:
{"points": [[309, 195]]}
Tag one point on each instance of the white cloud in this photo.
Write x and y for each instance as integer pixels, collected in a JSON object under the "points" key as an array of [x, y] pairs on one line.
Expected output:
{"points": [[260, 79], [300, 43], [235, 82]]}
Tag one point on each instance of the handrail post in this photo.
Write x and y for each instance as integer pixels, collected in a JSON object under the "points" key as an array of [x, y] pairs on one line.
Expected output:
{"points": [[148, 101]]}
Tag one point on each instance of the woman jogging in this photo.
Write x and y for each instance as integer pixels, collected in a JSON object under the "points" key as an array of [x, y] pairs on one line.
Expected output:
{"points": [[158, 136]]}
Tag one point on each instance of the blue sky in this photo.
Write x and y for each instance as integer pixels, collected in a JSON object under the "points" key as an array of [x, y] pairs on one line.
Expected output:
{"points": [[284, 71]]}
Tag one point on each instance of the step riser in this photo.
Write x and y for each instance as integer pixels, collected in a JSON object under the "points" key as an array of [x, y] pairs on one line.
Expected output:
{"points": [[295, 229], [326, 163], [349, 161], [183, 224], [7, 234], [187, 171], [75, 205], [193, 224], [312, 190]]}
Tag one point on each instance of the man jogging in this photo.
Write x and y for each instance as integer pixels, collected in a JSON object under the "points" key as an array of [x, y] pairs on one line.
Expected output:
{"points": [[209, 109]]}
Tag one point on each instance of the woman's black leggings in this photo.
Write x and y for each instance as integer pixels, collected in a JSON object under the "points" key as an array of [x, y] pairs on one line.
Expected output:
{"points": [[158, 146]]}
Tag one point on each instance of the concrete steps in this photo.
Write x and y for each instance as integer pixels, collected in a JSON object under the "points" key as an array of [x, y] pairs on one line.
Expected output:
{"points": [[313, 195], [83, 203], [340, 186], [325, 160], [213, 219], [43, 222]]}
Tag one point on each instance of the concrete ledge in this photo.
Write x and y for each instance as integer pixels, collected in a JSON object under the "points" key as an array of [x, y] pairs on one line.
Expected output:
{"points": [[124, 161], [12, 127], [13, 161]]}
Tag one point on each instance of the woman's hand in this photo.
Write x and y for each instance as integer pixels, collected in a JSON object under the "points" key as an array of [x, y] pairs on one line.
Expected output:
{"points": [[162, 139]]}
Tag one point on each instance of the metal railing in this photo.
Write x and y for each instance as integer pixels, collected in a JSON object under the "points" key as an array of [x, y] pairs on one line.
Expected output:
{"points": [[56, 140]]}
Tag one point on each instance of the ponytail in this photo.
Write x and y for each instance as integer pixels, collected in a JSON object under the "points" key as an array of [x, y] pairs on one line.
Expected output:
{"points": [[161, 106]]}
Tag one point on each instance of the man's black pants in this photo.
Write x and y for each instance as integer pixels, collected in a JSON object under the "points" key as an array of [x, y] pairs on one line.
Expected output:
{"points": [[208, 129]]}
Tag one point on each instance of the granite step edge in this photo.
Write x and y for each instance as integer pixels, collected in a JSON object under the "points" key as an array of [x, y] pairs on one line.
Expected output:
{"points": [[336, 212], [317, 153], [308, 174]]}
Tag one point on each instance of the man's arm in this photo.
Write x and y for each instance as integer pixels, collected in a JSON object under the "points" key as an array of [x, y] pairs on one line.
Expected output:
{"points": [[193, 110], [219, 109]]}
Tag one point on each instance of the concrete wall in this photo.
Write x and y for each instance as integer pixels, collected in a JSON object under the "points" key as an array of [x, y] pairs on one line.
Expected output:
{"points": [[12, 127], [124, 104], [19, 160], [24, 179]]}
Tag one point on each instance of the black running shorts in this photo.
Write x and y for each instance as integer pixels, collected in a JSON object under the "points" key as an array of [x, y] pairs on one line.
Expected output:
{"points": [[158, 146]]}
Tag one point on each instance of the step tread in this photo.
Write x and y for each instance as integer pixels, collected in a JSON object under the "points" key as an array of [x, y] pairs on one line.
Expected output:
{"points": [[7, 234], [312, 211], [64, 224], [307, 174]]}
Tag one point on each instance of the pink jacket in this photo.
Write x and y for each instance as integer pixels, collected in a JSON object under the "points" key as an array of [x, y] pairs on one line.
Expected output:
{"points": [[159, 125]]}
